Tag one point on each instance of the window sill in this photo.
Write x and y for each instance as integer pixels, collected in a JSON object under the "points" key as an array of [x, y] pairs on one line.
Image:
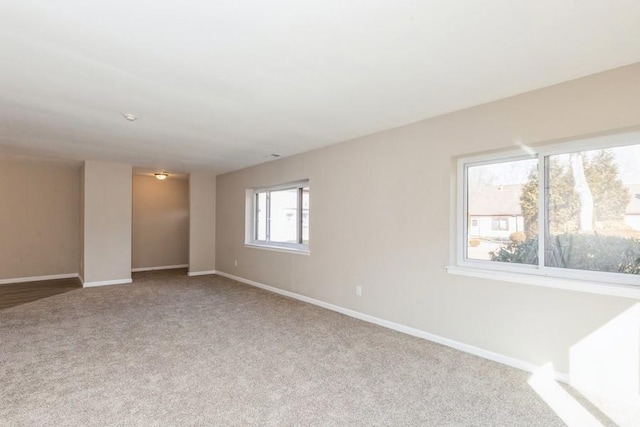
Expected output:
{"points": [[600, 288], [285, 249]]}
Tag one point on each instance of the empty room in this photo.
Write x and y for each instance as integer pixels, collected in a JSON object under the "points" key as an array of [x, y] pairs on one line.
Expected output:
{"points": [[320, 213]]}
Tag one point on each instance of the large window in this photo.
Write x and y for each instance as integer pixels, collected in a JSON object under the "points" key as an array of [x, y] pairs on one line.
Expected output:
{"points": [[569, 211], [278, 216]]}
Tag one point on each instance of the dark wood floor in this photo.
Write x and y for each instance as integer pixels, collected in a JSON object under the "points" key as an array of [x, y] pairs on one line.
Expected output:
{"points": [[21, 293]]}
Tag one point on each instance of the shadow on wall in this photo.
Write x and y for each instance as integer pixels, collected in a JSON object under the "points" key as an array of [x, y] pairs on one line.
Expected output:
{"points": [[605, 369]]}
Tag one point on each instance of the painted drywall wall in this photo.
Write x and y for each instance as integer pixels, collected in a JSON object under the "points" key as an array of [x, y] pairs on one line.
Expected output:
{"points": [[202, 219], [107, 223], [160, 225], [81, 231], [380, 219], [39, 218]]}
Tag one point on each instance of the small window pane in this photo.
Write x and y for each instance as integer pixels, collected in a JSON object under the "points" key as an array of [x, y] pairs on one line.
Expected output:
{"points": [[502, 219], [305, 215], [593, 210], [261, 216], [284, 216], [500, 224]]}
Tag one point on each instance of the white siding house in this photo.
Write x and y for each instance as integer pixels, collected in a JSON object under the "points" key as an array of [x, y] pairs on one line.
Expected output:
{"points": [[495, 212]]}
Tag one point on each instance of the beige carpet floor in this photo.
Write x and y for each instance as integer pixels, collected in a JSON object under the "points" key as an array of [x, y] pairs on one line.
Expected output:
{"points": [[173, 350]]}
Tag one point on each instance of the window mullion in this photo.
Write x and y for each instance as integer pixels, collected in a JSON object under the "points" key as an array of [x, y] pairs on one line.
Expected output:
{"points": [[543, 203], [465, 213], [268, 217], [256, 219], [299, 218]]}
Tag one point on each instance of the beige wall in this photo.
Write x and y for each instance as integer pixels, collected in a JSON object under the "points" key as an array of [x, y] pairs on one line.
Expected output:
{"points": [[160, 227], [202, 230], [39, 219], [380, 218], [81, 231], [107, 223]]}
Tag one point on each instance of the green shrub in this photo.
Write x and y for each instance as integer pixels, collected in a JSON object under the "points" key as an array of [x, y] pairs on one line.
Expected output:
{"points": [[522, 253], [577, 251], [595, 252]]}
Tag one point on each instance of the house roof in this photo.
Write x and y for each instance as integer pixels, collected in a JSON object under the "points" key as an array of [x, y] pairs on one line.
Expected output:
{"points": [[505, 200], [495, 200], [219, 86]]}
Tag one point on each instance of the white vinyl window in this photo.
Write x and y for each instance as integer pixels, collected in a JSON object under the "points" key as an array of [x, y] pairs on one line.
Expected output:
{"points": [[278, 217], [566, 214]]}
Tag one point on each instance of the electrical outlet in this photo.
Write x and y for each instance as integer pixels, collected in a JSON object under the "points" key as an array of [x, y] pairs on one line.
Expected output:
{"points": [[359, 291], [235, 262]]}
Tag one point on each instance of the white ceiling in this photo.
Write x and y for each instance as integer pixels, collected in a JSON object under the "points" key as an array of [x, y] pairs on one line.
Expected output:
{"points": [[218, 85]]}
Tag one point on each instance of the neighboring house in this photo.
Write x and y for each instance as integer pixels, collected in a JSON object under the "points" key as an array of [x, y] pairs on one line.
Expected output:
{"points": [[495, 211], [632, 213]]}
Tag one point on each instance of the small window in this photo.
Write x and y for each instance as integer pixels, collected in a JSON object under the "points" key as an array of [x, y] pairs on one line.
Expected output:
{"points": [[279, 217], [499, 224], [567, 210]]}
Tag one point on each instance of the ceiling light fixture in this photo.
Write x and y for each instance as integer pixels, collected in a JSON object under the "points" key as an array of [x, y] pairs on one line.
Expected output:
{"points": [[161, 175], [130, 117]]}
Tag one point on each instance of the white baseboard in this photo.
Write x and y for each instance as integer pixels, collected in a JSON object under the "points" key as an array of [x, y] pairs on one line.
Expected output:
{"points": [[162, 267], [486, 354], [106, 283], [201, 273], [37, 278]]}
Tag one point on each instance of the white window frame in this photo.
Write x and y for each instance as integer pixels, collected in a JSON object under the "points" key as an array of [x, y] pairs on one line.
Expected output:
{"points": [[625, 285], [251, 219]]}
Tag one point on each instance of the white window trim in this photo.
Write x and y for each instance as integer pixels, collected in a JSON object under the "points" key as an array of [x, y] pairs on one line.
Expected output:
{"points": [[278, 248], [603, 283], [250, 221]]}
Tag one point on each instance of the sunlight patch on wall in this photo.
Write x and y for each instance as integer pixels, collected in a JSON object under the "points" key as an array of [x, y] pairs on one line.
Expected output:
{"points": [[605, 367]]}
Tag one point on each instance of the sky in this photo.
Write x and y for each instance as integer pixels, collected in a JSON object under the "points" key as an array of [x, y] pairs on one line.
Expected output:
{"points": [[627, 159]]}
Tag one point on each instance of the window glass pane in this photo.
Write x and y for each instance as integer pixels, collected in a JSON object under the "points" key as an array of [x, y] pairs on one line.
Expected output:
{"points": [[284, 216], [305, 215], [500, 224], [502, 212], [593, 210], [261, 216]]}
